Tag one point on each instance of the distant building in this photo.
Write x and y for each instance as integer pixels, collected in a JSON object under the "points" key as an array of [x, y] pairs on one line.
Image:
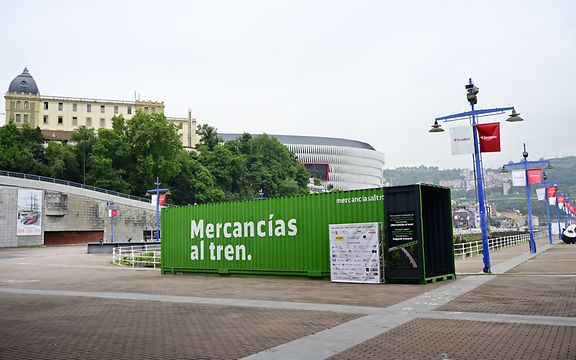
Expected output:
{"points": [[58, 116], [339, 163]]}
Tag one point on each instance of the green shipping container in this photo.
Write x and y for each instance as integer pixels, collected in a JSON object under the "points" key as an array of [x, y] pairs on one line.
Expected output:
{"points": [[285, 235]]}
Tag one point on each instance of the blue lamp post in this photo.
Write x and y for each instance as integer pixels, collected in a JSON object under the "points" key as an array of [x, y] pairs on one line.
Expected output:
{"points": [[524, 164], [473, 116], [157, 191]]}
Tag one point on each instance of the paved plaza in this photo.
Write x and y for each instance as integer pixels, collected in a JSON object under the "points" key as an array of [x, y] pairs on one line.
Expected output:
{"points": [[61, 303]]}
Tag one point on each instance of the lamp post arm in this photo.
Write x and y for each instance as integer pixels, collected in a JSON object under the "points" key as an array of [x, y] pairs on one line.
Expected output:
{"points": [[477, 113]]}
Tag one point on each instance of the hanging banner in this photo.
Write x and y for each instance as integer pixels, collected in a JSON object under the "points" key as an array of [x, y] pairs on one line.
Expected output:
{"points": [[541, 194], [461, 140], [355, 253], [551, 195], [534, 176], [518, 178], [29, 221], [561, 199], [489, 135], [161, 200]]}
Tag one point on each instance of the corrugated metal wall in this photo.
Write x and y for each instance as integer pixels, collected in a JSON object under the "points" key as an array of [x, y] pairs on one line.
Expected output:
{"points": [[290, 234]]}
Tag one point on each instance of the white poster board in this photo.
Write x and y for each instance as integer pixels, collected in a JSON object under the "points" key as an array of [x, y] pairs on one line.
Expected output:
{"points": [[355, 253], [29, 221]]}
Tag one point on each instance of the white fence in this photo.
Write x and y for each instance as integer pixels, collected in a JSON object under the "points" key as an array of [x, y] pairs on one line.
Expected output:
{"points": [[137, 256], [468, 249]]}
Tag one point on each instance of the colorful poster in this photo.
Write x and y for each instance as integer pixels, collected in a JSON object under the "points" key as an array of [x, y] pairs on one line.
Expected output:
{"points": [[355, 253], [489, 135], [29, 220], [403, 241], [461, 140]]}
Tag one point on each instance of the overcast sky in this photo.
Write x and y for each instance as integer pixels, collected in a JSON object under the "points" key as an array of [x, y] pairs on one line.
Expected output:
{"points": [[373, 71]]}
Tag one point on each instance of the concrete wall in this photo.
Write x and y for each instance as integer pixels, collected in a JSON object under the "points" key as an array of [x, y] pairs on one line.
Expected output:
{"points": [[66, 208]]}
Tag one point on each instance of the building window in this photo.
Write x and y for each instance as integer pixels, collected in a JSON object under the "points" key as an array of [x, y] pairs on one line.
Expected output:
{"points": [[115, 109], [45, 119], [153, 110], [88, 107], [17, 105], [129, 110], [146, 110], [25, 118], [102, 122], [60, 120], [180, 125], [18, 118], [45, 105], [26, 105], [60, 106], [88, 122], [74, 107], [102, 109], [74, 121]]}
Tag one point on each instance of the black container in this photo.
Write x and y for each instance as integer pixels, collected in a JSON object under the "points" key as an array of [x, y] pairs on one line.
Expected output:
{"points": [[419, 246]]}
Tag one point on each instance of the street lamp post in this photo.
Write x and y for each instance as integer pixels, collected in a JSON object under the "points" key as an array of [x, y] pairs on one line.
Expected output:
{"points": [[547, 199], [525, 163], [473, 116], [157, 191]]}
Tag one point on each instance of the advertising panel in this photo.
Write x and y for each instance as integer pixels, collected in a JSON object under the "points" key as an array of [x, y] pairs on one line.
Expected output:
{"points": [[29, 221], [284, 235], [355, 253], [489, 135], [461, 140], [403, 241]]}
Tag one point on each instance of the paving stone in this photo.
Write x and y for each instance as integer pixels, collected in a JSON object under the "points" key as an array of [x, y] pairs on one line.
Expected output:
{"points": [[52, 327], [467, 340]]}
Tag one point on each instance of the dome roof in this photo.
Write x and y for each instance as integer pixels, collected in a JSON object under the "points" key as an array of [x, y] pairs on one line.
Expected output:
{"points": [[24, 83]]}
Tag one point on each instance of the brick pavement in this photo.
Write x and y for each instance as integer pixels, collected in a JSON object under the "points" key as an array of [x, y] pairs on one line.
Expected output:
{"points": [[74, 305], [456, 339]]}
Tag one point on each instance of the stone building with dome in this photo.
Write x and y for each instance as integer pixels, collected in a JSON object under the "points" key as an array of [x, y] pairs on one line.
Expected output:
{"points": [[58, 116]]}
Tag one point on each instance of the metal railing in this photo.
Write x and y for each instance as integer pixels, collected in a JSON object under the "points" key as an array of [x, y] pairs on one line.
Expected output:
{"points": [[70, 183], [474, 248], [137, 256]]}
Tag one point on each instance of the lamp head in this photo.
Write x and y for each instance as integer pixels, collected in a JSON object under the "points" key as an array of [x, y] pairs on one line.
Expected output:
{"points": [[472, 92], [436, 128], [147, 194], [525, 154], [514, 117], [503, 170]]}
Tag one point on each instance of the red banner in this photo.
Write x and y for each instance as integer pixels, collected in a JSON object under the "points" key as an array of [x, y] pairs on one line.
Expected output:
{"points": [[489, 135], [551, 191], [162, 200], [114, 212], [561, 199], [534, 176]]}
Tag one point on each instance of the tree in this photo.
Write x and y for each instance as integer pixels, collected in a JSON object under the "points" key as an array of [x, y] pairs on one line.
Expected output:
{"points": [[154, 146], [61, 162], [194, 184], [21, 149], [84, 139]]}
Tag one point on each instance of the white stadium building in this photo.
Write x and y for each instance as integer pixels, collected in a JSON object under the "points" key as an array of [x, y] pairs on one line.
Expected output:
{"points": [[339, 163]]}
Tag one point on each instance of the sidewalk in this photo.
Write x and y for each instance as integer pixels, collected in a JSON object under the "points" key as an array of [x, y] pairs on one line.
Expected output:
{"points": [[61, 303]]}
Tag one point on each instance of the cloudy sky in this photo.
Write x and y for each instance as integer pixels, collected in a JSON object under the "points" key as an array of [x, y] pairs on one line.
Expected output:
{"points": [[373, 71]]}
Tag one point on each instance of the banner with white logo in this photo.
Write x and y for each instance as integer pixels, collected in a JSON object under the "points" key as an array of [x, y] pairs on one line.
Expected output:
{"points": [[489, 135], [461, 140]]}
